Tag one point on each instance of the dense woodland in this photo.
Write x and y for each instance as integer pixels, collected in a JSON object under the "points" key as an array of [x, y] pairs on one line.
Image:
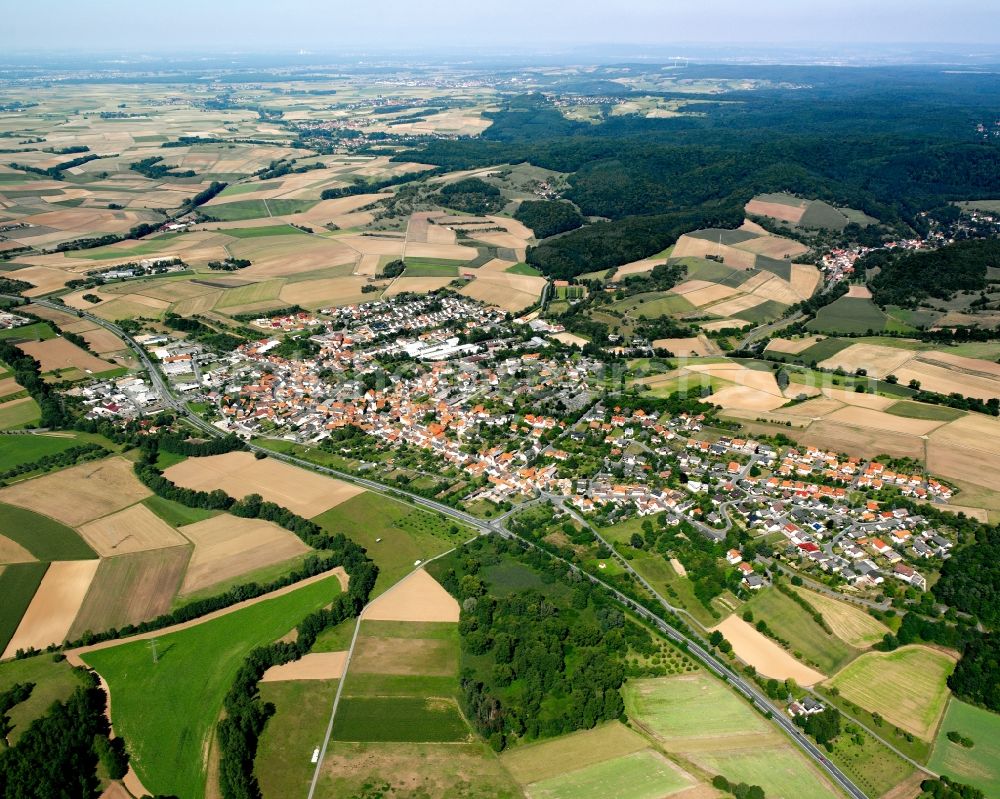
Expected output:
{"points": [[906, 279], [543, 650], [843, 138], [548, 217]]}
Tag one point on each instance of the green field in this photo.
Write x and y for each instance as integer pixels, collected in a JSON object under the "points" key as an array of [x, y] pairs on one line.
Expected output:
{"points": [[266, 230], [19, 414], [402, 718], [423, 267], [285, 749], [53, 682], [408, 534], [654, 303], [918, 410], [18, 449], [149, 247], [849, 315], [766, 311], [822, 215], [906, 687], [43, 537], [256, 209], [870, 764], [18, 583], [690, 706], [37, 331], [782, 772], [640, 775], [250, 293], [175, 514], [980, 765], [523, 269], [539, 761], [809, 642], [167, 711]]}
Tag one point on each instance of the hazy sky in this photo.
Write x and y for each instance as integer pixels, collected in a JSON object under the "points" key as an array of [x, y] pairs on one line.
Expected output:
{"points": [[332, 25]]}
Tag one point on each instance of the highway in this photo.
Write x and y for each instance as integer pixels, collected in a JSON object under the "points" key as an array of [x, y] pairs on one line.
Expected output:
{"points": [[748, 689]]}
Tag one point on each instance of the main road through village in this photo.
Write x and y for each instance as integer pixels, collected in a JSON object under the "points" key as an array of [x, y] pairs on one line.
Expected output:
{"points": [[496, 526]]}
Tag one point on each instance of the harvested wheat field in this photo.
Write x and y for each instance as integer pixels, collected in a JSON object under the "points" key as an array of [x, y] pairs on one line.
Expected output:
{"points": [[54, 606], [418, 597], [510, 292], [570, 339], [333, 291], [722, 324], [81, 493], [780, 211], [792, 346], [688, 246], [859, 292], [735, 306], [849, 622], [685, 347], [742, 397], [311, 666], [776, 247], [240, 473], [135, 529], [706, 295], [102, 341], [417, 285], [42, 278], [877, 360], [879, 420], [13, 552], [805, 279], [226, 546], [936, 373], [59, 353], [860, 400], [764, 654], [130, 589], [863, 441], [967, 449]]}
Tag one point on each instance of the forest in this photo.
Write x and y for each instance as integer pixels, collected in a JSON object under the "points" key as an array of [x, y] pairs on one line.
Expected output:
{"points": [[543, 651], [548, 217], [906, 279], [846, 139]]}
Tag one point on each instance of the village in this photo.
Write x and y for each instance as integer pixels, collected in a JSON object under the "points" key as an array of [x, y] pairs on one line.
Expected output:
{"points": [[516, 416]]}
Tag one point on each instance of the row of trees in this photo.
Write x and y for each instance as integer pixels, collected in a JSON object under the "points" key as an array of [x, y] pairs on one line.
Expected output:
{"points": [[57, 460]]}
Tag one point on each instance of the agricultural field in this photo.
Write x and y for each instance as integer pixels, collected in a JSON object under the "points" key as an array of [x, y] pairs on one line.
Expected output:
{"points": [[18, 583], [394, 534], [19, 413], [15, 450], [302, 710], [167, 710], [768, 657], [978, 766], [240, 474], [699, 718], [43, 537], [906, 687], [852, 315], [81, 493], [130, 588], [809, 641], [226, 547], [849, 623], [803, 213]]}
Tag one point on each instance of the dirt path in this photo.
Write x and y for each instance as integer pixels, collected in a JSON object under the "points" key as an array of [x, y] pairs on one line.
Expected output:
{"points": [[131, 780], [74, 655]]}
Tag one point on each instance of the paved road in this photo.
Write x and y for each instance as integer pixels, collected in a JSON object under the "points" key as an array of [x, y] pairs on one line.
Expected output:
{"points": [[748, 689]]}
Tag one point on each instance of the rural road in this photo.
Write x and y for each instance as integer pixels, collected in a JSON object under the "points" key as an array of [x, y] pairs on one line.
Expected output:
{"points": [[747, 689]]}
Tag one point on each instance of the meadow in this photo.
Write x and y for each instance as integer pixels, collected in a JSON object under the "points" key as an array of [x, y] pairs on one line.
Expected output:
{"points": [[302, 710], [850, 623], [19, 413], [43, 537], [15, 450], [412, 719], [167, 710], [641, 775], [53, 682], [907, 687], [978, 766], [407, 534], [18, 584], [849, 315]]}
